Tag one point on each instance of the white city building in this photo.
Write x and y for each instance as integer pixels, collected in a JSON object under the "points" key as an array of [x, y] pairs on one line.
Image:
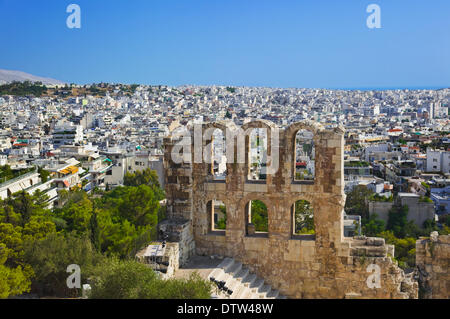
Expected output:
{"points": [[438, 161], [67, 133]]}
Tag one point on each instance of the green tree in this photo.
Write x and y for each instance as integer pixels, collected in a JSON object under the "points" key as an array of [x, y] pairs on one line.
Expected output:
{"points": [[94, 231], [412, 230], [193, 287], [405, 248], [6, 173], [13, 281], [38, 228], [11, 238], [7, 214], [43, 174], [120, 237], [15, 277], [356, 202], [139, 205], [447, 220], [259, 215], [50, 257], [304, 217], [162, 213], [398, 220], [26, 206], [222, 223], [145, 177], [23, 88], [22, 204], [76, 213], [63, 196], [128, 279], [117, 279], [372, 226]]}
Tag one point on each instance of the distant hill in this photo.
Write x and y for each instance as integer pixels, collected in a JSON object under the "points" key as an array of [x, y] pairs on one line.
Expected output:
{"points": [[7, 76]]}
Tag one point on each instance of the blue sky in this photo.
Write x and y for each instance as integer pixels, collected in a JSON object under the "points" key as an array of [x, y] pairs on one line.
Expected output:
{"points": [[310, 43]]}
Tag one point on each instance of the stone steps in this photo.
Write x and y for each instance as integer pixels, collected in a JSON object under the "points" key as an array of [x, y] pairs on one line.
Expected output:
{"points": [[273, 294], [263, 291], [249, 279], [242, 283]]}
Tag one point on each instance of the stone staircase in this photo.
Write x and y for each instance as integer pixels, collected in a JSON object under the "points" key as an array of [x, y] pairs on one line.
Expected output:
{"points": [[241, 283]]}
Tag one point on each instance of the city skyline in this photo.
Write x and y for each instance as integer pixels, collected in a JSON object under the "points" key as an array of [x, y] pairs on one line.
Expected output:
{"points": [[301, 45]]}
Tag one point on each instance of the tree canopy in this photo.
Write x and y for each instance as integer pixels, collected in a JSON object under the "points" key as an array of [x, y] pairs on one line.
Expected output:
{"points": [[356, 202], [304, 217], [23, 88], [128, 279], [95, 232], [259, 215]]}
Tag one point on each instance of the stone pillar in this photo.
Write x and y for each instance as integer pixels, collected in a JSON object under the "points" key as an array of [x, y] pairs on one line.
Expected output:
{"points": [[178, 225], [330, 176], [433, 262]]}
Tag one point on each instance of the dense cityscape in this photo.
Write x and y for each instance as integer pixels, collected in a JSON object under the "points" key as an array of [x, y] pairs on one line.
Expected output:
{"points": [[69, 139], [395, 138]]}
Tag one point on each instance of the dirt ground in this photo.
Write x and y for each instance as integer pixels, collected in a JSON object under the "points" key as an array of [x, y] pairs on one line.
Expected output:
{"points": [[201, 264]]}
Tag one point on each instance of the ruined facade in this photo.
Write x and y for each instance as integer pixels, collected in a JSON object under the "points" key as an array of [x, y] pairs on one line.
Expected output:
{"points": [[323, 265], [433, 264]]}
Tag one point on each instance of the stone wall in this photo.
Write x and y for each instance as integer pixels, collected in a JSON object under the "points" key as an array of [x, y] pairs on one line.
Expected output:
{"points": [[381, 209], [418, 212], [433, 264], [325, 265], [179, 189]]}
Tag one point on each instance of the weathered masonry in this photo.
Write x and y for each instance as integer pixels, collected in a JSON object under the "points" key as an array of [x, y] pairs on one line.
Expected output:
{"points": [[321, 265], [433, 264]]}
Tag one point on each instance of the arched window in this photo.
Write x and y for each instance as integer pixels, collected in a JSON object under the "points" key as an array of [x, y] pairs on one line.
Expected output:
{"points": [[304, 156], [217, 216], [257, 220], [219, 156], [302, 218], [257, 154], [217, 161]]}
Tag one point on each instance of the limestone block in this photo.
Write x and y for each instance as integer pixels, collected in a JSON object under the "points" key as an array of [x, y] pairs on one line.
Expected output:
{"points": [[375, 241], [308, 253], [391, 250], [376, 251], [255, 187]]}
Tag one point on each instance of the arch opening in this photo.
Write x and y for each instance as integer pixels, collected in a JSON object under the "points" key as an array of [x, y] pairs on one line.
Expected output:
{"points": [[257, 155], [217, 161], [304, 156], [256, 218], [217, 216], [303, 220]]}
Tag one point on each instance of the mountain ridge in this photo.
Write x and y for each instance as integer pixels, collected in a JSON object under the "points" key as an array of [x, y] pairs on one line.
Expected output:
{"points": [[8, 76]]}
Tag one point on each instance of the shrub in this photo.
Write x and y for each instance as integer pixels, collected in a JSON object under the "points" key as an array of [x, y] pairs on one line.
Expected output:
{"points": [[129, 279]]}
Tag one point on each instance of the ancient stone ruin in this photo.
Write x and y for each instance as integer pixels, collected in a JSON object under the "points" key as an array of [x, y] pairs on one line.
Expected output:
{"points": [[433, 264], [324, 264]]}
